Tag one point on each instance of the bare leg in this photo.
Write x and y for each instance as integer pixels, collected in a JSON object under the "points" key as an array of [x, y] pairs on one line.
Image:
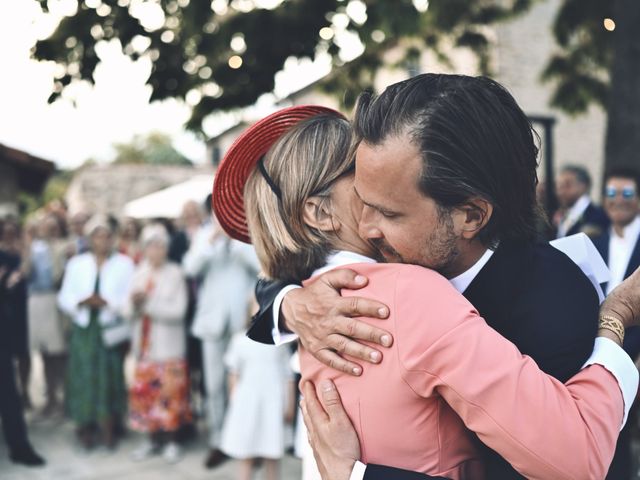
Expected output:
{"points": [[108, 432], [49, 363], [245, 469], [54, 367], [271, 469]]}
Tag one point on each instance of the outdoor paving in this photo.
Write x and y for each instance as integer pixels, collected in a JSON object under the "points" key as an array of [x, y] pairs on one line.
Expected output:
{"points": [[55, 440]]}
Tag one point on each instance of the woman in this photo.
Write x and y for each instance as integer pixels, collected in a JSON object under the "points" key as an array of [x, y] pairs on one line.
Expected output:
{"points": [[303, 217], [44, 266], [157, 302], [94, 289], [128, 241]]}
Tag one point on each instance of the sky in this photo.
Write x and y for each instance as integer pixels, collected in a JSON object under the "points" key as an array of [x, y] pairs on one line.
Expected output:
{"points": [[112, 111]]}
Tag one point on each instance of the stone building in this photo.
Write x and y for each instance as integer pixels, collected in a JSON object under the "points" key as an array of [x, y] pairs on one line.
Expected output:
{"points": [[107, 188], [20, 172]]}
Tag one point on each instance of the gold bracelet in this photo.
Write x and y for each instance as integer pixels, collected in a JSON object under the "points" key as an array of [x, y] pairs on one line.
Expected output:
{"points": [[613, 325]]}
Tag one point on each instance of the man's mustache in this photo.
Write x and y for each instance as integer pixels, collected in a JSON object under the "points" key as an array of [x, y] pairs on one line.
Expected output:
{"points": [[381, 247]]}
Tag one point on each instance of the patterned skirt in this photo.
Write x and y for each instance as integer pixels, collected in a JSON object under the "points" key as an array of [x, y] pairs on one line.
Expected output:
{"points": [[159, 396], [96, 388]]}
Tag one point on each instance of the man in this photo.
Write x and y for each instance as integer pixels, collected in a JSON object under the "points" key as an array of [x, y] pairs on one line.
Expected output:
{"points": [[227, 269], [620, 249], [446, 169], [577, 213], [13, 424]]}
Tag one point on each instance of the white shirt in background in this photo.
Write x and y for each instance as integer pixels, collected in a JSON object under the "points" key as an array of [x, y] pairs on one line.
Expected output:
{"points": [[573, 215], [620, 250]]}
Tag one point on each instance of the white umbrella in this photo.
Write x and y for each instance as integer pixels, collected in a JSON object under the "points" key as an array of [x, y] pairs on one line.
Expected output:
{"points": [[167, 203]]}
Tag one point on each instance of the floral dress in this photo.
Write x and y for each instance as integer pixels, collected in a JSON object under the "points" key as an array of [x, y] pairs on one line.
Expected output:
{"points": [[159, 395]]}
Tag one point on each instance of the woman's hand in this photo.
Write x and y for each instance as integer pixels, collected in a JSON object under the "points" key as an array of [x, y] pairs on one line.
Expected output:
{"points": [[94, 301], [325, 321], [138, 298], [623, 302]]}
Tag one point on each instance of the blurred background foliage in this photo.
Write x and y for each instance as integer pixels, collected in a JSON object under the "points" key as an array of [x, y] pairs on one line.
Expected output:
{"points": [[230, 51], [226, 53]]}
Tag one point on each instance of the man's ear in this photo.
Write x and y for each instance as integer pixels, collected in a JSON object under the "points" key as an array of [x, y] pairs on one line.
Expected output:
{"points": [[317, 214], [476, 214]]}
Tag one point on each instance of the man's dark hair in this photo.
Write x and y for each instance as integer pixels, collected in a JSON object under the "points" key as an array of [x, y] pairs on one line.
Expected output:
{"points": [[623, 172], [580, 173], [474, 139]]}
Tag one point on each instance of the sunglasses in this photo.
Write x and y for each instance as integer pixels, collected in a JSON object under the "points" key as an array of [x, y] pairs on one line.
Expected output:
{"points": [[626, 192]]}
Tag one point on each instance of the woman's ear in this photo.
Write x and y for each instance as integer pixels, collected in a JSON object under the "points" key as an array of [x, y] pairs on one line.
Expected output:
{"points": [[477, 213], [317, 214]]}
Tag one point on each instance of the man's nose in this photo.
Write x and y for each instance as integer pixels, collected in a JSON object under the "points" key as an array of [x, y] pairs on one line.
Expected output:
{"points": [[367, 228]]}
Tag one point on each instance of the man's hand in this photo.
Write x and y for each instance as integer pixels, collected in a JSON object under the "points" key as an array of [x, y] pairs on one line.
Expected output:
{"points": [[14, 278], [623, 302], [334, 440], [324, 320]]}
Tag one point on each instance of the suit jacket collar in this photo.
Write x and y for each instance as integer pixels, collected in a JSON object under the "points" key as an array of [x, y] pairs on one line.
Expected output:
{"points": [[491, 290]]}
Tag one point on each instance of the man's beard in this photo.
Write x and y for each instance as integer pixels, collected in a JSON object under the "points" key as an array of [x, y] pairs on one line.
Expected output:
{"points": [[439, 253]]}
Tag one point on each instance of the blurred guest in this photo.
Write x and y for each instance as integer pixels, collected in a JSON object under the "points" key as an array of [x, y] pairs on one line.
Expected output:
{"points": [[228, 270], [158, 399], [128, 243], [12, 245], [577, 213], [260, 384], [620, 249], [94, 290], [13, 424], [44, 267], [78, 242], [189, 223]]}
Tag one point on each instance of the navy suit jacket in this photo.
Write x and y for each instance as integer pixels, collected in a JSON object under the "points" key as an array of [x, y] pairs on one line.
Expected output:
{"points": [[632, 335], [594, 218], [535, 296]]}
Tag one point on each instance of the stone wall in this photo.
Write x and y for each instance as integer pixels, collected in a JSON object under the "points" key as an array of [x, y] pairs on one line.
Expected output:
{"points": [[523, 48], [107, 188]]}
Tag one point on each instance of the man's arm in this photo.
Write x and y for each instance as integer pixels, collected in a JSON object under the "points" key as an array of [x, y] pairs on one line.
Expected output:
{"points": [[324, 321], [327, 426]]}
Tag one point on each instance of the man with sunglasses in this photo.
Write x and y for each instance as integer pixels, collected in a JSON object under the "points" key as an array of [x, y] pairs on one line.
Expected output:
{"points": [[620, 249], [577, 213]]}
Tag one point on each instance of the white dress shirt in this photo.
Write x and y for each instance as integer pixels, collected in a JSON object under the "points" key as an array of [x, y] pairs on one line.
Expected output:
{"points": [[620, 250], [605, 352], [573, 215]]}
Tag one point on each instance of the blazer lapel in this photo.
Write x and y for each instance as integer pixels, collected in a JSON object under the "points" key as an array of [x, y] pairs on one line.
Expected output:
{"points": [[634, 261], [495, 285]]}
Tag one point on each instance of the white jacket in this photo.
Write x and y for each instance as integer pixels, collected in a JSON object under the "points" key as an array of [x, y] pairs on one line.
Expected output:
{"points": [[228, 270], [166, 306], [79, 282]]}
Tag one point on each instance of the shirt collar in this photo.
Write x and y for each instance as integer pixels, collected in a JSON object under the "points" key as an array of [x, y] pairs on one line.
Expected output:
{"points": [[462, 281], [579, 207], [631, 231], [341, 258]]}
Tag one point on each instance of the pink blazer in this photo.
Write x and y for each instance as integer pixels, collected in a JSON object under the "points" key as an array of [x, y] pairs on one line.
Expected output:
{"points": [[448, 372]]}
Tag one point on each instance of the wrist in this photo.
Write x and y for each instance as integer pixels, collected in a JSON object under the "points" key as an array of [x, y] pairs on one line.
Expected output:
{"points": [[612, 327], [610, 335], [286, 317], [341, 470]]}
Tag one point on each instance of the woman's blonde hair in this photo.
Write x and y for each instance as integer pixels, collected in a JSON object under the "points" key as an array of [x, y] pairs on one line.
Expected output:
{"points": [[302, 163]]}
